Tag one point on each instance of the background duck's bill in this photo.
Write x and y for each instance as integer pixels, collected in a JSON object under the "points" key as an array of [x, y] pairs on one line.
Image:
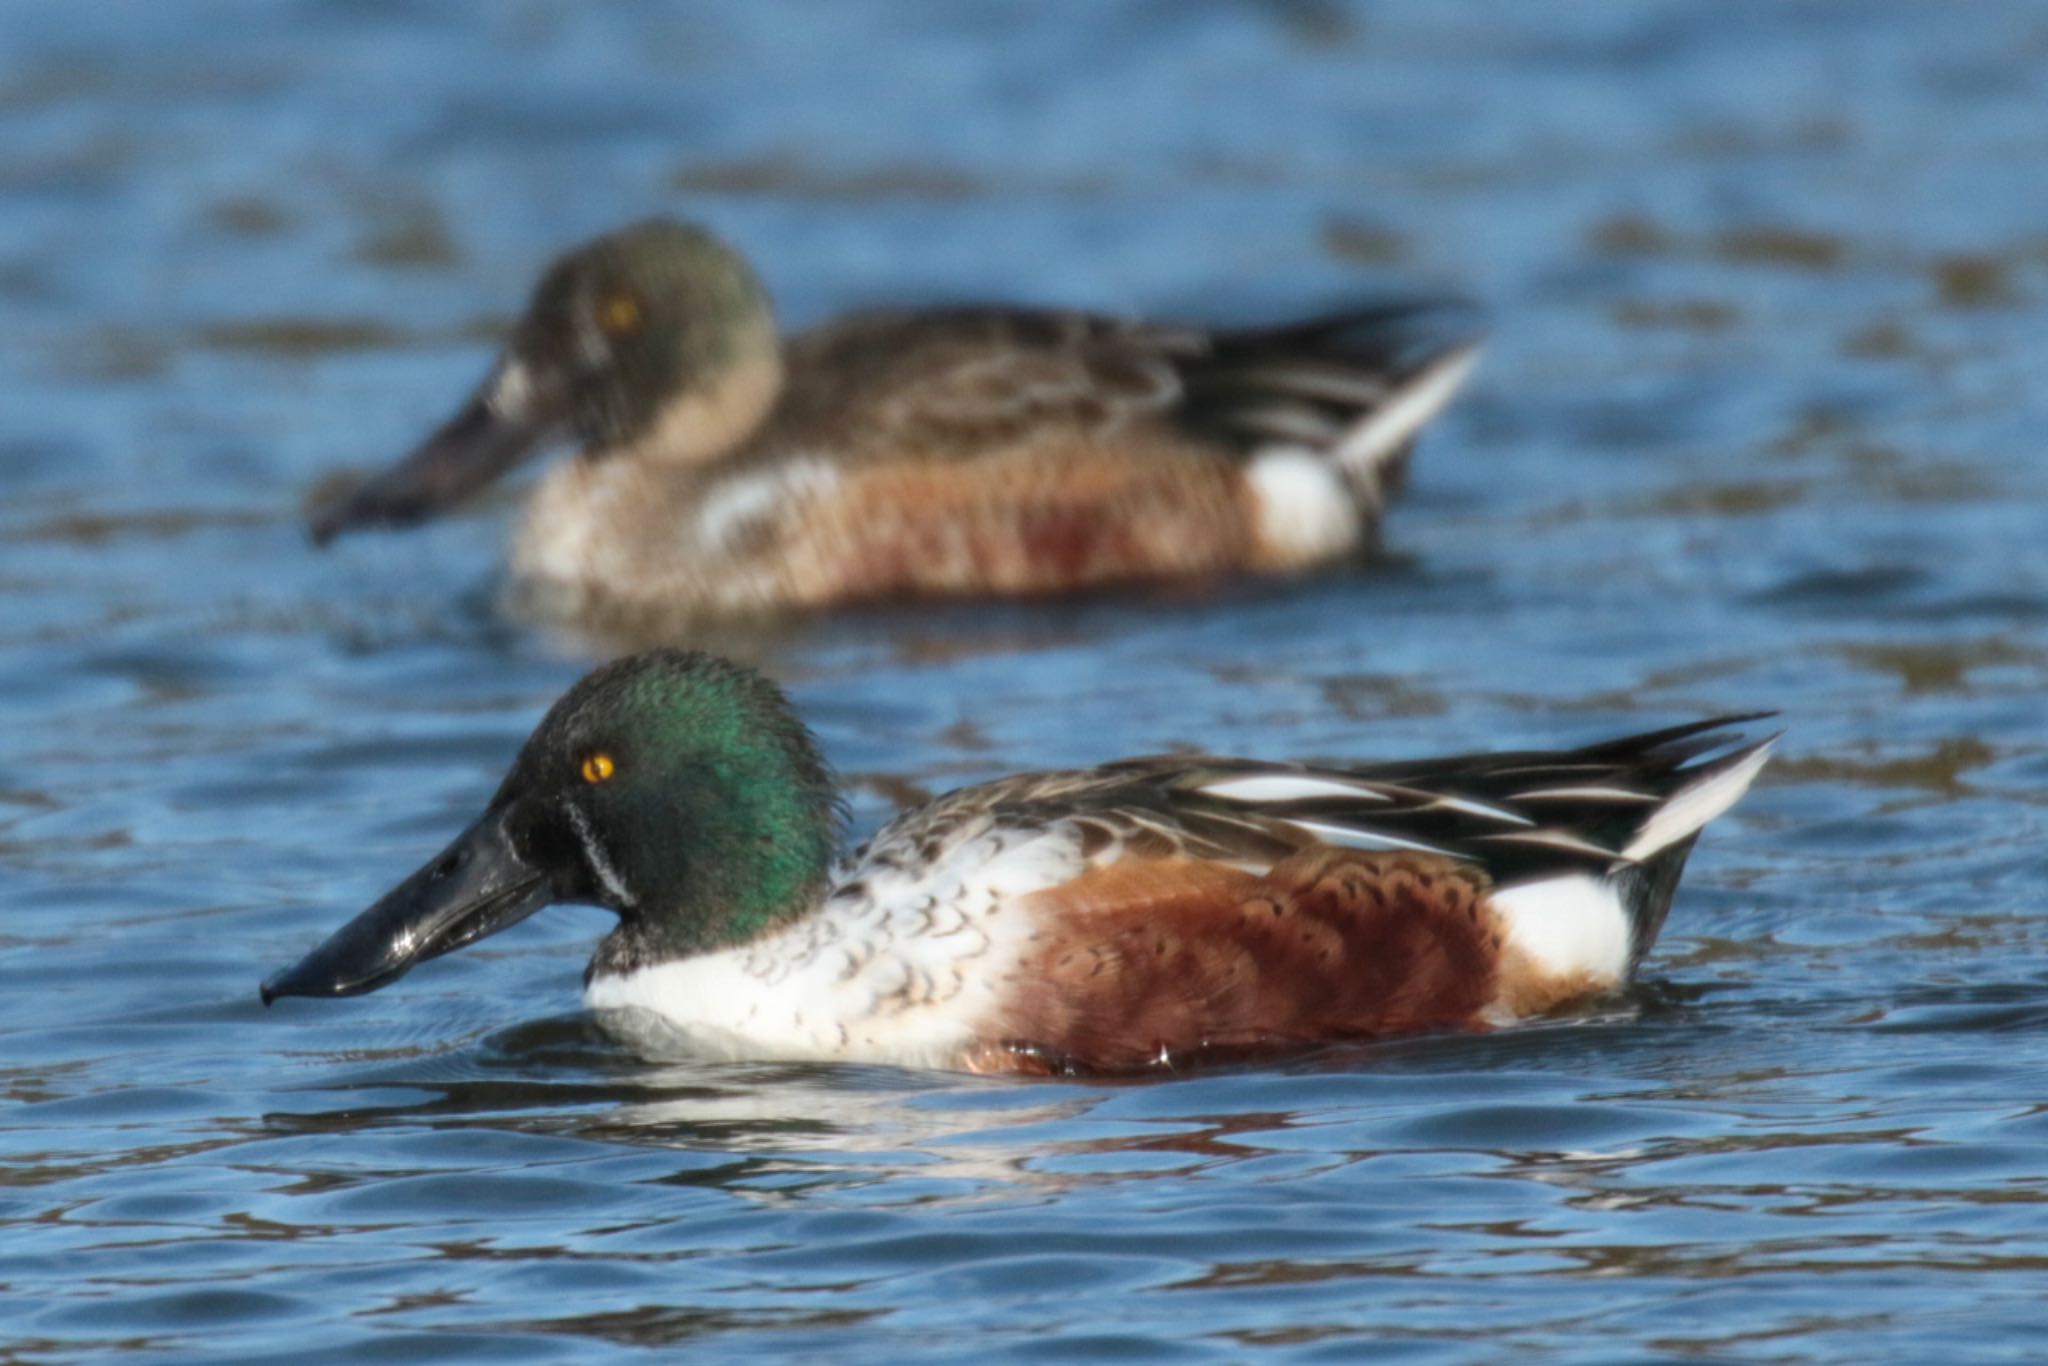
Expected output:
{"points": [[475, 887], [504, 422]]}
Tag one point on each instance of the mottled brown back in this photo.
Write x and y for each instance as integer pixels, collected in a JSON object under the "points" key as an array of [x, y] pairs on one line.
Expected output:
{"points": [[961, 383]]}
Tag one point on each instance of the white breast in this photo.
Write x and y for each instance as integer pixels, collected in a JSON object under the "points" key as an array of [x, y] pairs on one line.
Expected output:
{"points": [[899, 967]]}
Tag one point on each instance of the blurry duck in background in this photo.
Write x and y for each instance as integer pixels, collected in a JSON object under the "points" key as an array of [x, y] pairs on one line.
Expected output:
{"points": [[725, 471], [1148, 913]]}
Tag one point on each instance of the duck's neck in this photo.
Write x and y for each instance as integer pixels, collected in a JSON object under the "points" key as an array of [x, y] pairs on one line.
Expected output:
{"points": [[714, 415]]}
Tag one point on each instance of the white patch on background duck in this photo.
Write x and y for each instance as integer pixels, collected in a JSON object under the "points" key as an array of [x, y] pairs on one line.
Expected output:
{"points": [[742, 503], [1302, 508]]}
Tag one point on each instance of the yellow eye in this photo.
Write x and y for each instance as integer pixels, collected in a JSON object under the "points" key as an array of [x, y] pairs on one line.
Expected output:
{"points": [[619, 314], [598, 768]]}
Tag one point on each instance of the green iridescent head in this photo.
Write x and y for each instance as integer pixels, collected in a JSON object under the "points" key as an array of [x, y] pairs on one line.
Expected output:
{"points": [[620, 336], [677, 789], [629, 321]]}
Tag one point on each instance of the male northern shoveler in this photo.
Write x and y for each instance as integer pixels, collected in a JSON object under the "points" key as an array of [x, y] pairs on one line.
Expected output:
{"points": [[969, 451], [1147, 912]]}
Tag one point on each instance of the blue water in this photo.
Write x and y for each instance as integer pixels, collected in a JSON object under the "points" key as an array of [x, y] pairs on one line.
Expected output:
{"points": [[1761, 426]]}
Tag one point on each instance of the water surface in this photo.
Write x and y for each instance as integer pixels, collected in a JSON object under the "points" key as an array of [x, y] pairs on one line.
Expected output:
{"points": [[1760, 427]]}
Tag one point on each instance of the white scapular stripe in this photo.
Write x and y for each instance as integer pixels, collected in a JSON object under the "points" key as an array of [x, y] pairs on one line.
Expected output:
{"points": [[1479, 809], [1349, 837], [1420, 398], [1584, 794], [1284, 423], [1333, 382], [1692, 806], [1554, 839], [1287, 787], [1570, 924]]}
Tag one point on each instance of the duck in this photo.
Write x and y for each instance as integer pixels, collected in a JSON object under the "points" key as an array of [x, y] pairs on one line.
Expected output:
{"points": [[1149, 913], [723, 471]]}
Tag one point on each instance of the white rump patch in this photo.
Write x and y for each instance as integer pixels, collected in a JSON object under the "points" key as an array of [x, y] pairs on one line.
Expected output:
{"points": [[1305, 511], [1287, 787], [1691, 807], [1568, 925], [1421, 397]]}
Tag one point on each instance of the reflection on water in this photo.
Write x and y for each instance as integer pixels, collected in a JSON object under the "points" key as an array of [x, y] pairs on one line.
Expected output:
{"points": [[1759, 427]]}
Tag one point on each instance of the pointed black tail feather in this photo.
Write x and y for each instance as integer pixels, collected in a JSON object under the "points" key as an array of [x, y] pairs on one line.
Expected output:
{"points": [[1646, 891], [1356, 386], [1665, 840], [1667, 743], [1649, 754]]}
